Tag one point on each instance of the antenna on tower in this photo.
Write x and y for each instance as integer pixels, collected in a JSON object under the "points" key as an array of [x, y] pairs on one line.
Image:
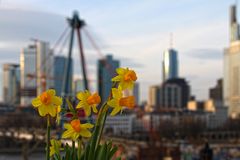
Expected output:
{"points": [[171, 40]]}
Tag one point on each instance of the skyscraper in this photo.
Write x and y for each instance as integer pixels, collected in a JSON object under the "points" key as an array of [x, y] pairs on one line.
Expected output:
{"points": [[28, 72], [216, 92], [59, 68], [170, 64], [234, 26], [45, 66], [106, 70], [11, 83], [174, 93], [231, 89], [154, 96], [36, 67]]}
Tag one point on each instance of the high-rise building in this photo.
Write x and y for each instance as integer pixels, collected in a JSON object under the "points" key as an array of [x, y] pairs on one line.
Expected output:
{"points": [[154, 96], [234, 26], [106, 71], [174, 93], [231, 89], [59, 69], [28, 82], [11, 83], [170, 64], [216, 93], [136, 93], [45, 66], [36, 67]]}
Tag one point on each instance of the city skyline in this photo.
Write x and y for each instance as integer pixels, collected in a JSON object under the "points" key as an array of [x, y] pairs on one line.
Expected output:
{"points": [[120, 33]]}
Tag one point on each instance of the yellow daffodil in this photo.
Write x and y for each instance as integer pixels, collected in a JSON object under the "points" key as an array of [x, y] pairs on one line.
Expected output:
{"points": [[75, 129], [55, 147], [88, 101], [125, 77], [47, 103], [118, 101]]}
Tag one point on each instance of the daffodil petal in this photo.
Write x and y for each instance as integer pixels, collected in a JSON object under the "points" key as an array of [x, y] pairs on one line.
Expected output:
{"points": [[51, 92], [36, 102], [115, 111], [52, 151], [87, 93], [95, 108], [87, 110], [67, 126], [57, 100], [117, 93], [52, 110], [120, 70], [123, 85], [112, 103], [75, 135], [79, 105], [85, 133], [68, 133], [87, 125], [117, 78], [42, 110], [81, 95]]}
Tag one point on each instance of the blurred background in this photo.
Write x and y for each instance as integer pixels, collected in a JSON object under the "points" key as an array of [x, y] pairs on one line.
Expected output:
{"points": [[186, 55]]}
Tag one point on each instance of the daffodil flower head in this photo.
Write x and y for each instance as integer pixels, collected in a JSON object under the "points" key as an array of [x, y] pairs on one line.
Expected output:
{"points": [[47, 103], [75, 129], [55, 147], [125, 77], [88, 102], [118, 102]]}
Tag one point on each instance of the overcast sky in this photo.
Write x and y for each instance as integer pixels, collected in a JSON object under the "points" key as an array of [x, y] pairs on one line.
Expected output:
{"points": [[134, 31]]}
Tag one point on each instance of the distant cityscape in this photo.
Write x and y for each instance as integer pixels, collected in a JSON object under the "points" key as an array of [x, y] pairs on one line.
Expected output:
{"points": [[170, 101]]}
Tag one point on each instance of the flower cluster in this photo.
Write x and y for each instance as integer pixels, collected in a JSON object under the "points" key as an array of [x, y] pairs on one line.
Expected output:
{"points": [[48, 104]]}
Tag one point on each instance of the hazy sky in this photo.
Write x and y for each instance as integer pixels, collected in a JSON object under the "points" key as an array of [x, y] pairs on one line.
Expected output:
{"points": [[134, 31]]}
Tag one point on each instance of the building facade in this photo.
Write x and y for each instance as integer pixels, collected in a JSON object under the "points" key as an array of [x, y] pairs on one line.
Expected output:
{"points": [[174, 93], [105, 72], [11, 84], [59, 69], [170, 64], [232, 68], [154, 96], [216, 93], [28, 82], [36, 67], [45, 66]]}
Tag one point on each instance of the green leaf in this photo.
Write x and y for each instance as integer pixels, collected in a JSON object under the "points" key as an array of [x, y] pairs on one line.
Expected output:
{"points": [[70, 106], [93, 141], [118, 158], [87, 152], [112, 152], [102, 155]]}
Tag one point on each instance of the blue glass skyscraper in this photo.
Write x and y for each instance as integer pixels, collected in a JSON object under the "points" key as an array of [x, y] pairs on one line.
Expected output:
{"points": [[170, 64], [106, 70], [59, 68]]}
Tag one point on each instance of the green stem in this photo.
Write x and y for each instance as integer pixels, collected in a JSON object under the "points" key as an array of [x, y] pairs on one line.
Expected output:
{"points": [[73, 149], [102, 123], [79, 148], [99, 125], [48, 138]]}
